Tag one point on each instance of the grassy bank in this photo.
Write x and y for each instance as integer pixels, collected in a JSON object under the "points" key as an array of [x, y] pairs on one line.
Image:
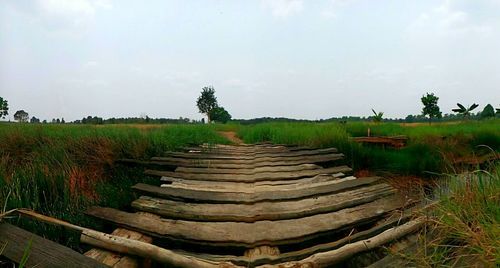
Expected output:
{"points": [[465, 224], [431, 148], [60, 170]]}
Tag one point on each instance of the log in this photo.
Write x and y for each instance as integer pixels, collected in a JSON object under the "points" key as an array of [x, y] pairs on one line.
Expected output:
{"points": [[126, 246], [42, 253], [265, 176], [329, 258], [249, 235], [246, 156], [245, 185], [282, 192], [290, 209], [261, 162], [246, 170]]}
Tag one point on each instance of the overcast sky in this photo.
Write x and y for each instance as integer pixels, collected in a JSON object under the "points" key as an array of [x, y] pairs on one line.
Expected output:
{"points": [[299, 59]]}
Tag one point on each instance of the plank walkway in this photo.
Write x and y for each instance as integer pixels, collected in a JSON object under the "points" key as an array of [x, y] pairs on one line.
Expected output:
{"points": [[253, 205]]}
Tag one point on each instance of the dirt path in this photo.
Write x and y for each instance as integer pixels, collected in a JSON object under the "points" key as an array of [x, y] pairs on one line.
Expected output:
{"points": [[232, 136]]}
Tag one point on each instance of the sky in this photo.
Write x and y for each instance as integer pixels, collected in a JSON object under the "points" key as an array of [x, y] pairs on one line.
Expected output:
{"points": [[278, 58]]}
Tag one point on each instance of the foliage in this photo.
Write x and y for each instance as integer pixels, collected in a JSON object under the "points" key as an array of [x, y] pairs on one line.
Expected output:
{"points": [[4, 108], [21, 116], [465, 112], [431, 108], [488, 112], [60, 170], [464, 225], [220, 115], [207, 101], [34, 120], [377, 117]]}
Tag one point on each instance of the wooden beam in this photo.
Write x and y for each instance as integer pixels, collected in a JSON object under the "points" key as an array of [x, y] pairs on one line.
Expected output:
{"points": [[42, 252], [265, 176], [261, 162], [247, 185], [246, 170], [246, 156], [329, 258], [242, 234], [270, 193], [290, 209]]}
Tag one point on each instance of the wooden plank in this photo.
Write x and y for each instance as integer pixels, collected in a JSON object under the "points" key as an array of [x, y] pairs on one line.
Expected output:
{"points": [[390, 222], [332, 257], [120, 261], [265, 176], [246, 170], [254, 234], [42, 253], [290, 209], [260, 162], [246, 156], [230, 185], [250, 196]]}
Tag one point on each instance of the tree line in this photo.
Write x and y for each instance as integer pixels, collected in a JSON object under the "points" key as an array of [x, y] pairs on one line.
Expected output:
{"points": [[208, 105]]}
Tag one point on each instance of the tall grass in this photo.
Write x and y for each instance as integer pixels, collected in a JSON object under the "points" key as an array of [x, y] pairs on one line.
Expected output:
{"points": [[60, 170], [431, 149], [465, 223]]}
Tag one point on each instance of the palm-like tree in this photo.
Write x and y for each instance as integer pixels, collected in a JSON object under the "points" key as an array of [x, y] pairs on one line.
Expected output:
{"points": [[377, 118], [465, 112]]}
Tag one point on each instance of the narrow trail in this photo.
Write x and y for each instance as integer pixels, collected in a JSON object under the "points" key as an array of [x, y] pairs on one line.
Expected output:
{"points": [[232, 136]]}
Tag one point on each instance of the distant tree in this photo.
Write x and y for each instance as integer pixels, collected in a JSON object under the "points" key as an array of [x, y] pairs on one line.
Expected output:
{"points": [[34, 120], [54, 121], [207, 101], [203, 120], [62, 121], [431, 108], [488, 112], [377, 117], [4, 108], [219, 114], [58, 121], [464, 112], [44, 121], [21, 116], [498, 110]]}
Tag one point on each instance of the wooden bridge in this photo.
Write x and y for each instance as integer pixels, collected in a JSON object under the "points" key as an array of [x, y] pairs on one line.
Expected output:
{"points": [[253, 205]]}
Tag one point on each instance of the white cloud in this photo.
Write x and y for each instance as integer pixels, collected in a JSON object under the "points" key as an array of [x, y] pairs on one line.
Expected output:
{"points": [[448, 19], [283, 8], [333, 7], [66, 16]]}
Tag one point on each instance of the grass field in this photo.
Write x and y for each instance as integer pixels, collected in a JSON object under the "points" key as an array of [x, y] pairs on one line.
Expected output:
{"points": [[60, 170]]}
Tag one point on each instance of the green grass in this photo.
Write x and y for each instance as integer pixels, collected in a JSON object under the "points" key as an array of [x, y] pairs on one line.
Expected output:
{"points": [[431, 148], [60, 170], [464, 224]]}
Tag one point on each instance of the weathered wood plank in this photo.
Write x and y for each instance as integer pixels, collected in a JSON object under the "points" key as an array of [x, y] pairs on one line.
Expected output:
{"points": [[232, 185], [290, 209], [252, 234], [42, 253], [116, 260], [392, 221], [246, 156], [265, 193], [260, 162], [246, 170], [329, 258], [265, 176]]}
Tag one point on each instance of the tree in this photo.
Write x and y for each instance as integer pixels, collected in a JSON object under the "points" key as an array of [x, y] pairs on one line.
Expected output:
{"points": [[62, 121], [431, 108], [465, 112], [488, 112], [34, 120], [21, 116], [4, 108], [377, 118], [207, 101], [219, 114]]}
